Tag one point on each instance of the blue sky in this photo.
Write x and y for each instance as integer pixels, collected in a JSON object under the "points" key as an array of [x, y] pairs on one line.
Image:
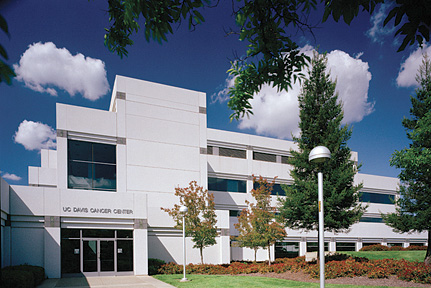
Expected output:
{"points": [[57, 50]]}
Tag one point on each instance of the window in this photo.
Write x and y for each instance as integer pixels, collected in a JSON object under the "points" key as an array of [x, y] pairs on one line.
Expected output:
{"points": [[210, 150], [234, 213], [264, 157], [286, 249], [229, 152], [285, 159], [276, 189], [377, 198], [314, 246], [227, 185], [371, 219], [345, 246], [91, 166]]}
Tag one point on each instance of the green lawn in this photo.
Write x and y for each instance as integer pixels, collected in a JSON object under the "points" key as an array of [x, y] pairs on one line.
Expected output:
{"points": [[416, 256], [216, 281]]}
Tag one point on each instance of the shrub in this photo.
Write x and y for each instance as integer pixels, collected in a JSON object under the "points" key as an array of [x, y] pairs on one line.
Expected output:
{"points": [[396, 248], [154, 265], [37, 274], [415, 247], [16, 278], [416, 272], [376, 247]]}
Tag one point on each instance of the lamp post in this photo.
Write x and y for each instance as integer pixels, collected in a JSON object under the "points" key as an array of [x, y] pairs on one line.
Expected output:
{"points": [[184, 210], [320, 154]]}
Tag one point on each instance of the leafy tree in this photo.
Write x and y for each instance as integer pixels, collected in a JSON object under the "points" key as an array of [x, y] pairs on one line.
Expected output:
{"points": [[413, 212], [200, 218], [6, 73], [272, 56], [257, 224], [320, 123]]}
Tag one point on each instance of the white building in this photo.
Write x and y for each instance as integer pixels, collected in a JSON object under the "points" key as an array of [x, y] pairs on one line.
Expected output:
{"points": [[93, 207]]}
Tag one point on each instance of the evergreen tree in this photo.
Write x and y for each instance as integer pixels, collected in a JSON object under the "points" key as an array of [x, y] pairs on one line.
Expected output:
{"points": [[257, 224], [320, 123], [201, 217], [413, 212]]}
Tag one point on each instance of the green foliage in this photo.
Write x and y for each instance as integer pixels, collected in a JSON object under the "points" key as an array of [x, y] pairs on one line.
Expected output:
{"points": [[320, 124], [22, 276], [200, 218], [415, 256], [158, 17], [413, 212], [6, 72], [154, 265], [257, 225], [350, 267], [272, 56]]}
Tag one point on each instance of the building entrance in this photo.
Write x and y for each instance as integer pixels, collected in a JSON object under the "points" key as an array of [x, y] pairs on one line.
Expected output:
{"points": [[96, 252]]}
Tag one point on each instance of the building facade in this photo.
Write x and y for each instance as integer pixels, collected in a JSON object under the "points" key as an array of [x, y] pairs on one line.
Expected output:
{"points": [[93, 207]]}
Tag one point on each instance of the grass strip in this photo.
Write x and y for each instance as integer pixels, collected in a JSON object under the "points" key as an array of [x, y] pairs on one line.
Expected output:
{"points": [[414, 256], [227, 281]]}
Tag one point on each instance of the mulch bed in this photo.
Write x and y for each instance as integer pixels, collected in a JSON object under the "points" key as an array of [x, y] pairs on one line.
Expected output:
{"points": [[392, 281]]}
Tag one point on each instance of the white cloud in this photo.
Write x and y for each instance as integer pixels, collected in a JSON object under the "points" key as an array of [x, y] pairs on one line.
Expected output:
{"points": [[277, 113], [35, 135], [409, 69], [44, 68], [353, 80], [377, 32], [11, 177]]}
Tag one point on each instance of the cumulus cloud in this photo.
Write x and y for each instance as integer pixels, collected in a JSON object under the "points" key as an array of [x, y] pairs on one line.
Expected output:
{"points": [[277, 113], [409, 68], [11, 177], [35, 135], [377, 32], [45, 68]]}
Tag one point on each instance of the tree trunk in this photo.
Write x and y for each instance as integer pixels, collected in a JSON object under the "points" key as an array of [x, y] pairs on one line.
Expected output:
{"points": [[255, 252], [269, 254], [428, 254], [202, 255]]}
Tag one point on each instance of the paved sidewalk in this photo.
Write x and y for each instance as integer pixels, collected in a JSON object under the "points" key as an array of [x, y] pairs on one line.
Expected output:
{"points": [[107, 281]]}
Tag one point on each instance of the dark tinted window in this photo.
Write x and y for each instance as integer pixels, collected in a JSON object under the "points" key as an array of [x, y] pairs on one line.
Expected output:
{"points": [[91, 166], [229, 152], [264, 157], [276, 189], [227, 185], [377, 198]]}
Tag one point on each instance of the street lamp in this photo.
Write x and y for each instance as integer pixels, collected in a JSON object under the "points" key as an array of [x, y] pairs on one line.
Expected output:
{"points": [[320, 154], [183, 210]]}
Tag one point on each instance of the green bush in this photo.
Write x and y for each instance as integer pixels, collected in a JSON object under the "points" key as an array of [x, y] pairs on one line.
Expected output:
{"points": [[154, 265], [376, 247], [23, 274], [16, 279]]}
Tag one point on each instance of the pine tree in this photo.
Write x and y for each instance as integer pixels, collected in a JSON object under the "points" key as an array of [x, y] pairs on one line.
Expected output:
{"points": [[201, 217], [320, 123], [413, 212], [257, 224]]}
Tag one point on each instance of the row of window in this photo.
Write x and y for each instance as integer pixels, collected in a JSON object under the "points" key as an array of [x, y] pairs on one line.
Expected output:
{"points": [[242, 154], [291, 249], [92, 166]]}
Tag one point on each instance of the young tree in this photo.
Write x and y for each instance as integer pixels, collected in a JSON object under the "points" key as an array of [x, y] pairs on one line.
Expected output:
{"points": [[200, 218], [257, 224], [413, 212], [320, 123]]}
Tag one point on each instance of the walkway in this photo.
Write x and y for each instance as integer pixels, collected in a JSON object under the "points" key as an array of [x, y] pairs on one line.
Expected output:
{"points": [[107, 281]]}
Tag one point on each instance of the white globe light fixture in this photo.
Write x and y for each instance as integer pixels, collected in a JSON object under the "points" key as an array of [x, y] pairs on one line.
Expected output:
{"points": [[184, 210], [320, 154]]}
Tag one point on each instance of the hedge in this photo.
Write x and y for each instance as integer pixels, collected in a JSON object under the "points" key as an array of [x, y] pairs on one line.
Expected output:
{"points": [[24, 276]]}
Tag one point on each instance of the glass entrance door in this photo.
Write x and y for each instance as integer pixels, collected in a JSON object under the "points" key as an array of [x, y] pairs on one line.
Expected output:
{"points": [[98, 257]]}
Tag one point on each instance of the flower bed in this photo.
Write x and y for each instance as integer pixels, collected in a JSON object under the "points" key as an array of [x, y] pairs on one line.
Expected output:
{"points": [[351, 267]]}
